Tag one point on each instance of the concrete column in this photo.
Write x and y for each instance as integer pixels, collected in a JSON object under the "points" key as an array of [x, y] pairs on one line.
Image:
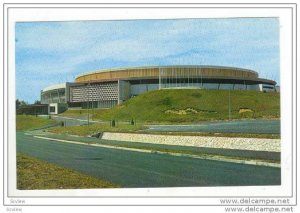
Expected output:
{"points": [[58, 96]]}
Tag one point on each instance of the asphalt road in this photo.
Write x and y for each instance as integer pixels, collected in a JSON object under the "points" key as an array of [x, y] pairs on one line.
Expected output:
{"points": [[136, 169], [240, 126], [248, 154]]}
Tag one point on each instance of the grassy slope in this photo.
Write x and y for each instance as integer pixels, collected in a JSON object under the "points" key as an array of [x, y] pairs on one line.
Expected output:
{"points": [[26, 122], [37, 174], [211, 105]]}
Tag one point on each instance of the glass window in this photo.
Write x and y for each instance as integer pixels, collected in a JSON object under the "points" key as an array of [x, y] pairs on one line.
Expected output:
{"points": [[52, 109]]}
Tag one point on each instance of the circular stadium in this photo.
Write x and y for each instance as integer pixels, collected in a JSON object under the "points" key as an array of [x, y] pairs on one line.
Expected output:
{"points": [[109, 87]]}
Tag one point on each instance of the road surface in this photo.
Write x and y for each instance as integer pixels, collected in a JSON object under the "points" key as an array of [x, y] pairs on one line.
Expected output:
{"points": [[240, 126], [137, 169]]}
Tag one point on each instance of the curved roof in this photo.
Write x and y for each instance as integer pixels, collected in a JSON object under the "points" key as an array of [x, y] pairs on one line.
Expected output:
{"points": [[53, 87], [155, 72], [167, 66]]}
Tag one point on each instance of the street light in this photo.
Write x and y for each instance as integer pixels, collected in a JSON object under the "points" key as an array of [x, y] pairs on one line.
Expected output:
{"points": [[229, 106], [88, 103]]}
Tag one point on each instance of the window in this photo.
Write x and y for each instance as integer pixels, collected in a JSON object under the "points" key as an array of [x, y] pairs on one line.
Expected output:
{"points": [[52, 109], [268, 87]]}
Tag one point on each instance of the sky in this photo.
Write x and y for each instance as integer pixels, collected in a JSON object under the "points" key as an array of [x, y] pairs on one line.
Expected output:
{"points": [[55, 52]]}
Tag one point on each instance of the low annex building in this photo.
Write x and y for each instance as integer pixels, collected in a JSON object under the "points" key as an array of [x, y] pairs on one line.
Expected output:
{"points": [[109, 87]]}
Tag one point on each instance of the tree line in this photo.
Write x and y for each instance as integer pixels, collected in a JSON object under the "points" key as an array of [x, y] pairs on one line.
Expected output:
{"points": [[21, 103]]}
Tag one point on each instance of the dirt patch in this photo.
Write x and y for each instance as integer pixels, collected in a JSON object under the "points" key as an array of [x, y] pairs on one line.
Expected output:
{"points": [[181, 111], [187, 111], [177, 112], [245, 110]]}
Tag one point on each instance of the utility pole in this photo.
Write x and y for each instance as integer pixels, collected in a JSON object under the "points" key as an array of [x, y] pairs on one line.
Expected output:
{"points": [[88, 87], [93, 110], [201, 78], [159, 78], [229, 106]]}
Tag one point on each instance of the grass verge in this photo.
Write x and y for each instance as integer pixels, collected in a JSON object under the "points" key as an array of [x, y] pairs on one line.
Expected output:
{"points": [[37, 174], [95, 128], [139, 128], [26, 122]]}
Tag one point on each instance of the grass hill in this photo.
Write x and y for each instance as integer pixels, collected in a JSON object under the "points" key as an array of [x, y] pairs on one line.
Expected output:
{"points": [[190, 105], [27, 122]]}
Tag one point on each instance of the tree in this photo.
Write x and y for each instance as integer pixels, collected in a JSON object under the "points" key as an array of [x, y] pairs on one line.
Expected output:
{"points": [[20, 103], [37, 102]]}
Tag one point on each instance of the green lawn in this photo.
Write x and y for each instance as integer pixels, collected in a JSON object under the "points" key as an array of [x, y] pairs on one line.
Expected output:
{"points": [[26, 122], [37, 174], [95, 128], [78, 113], [190, 105]]}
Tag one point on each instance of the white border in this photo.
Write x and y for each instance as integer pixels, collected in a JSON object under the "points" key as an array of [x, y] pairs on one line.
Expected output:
{"points": [[58, 14]]}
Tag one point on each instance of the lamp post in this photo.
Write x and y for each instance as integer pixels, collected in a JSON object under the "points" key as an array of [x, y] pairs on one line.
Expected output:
{"points": [[201, 78], [88, 88], [93, 110], [229, 106]]}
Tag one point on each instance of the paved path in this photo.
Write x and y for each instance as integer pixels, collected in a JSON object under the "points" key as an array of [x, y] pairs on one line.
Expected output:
{"points": [[137, 169]]}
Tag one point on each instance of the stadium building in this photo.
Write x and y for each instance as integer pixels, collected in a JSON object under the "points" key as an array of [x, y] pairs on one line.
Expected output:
{"points": [[109, 87]]}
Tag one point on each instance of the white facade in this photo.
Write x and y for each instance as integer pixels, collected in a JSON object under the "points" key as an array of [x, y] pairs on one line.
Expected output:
{"points": [[267, 88], [56, 108]]}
